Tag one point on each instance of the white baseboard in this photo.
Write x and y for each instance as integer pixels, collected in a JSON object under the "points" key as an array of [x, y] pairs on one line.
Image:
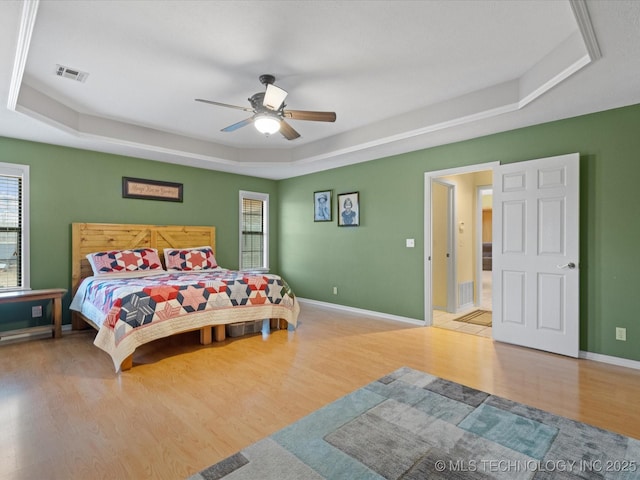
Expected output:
{"points": [[369, 313], [598, 357], [621, 362], [31, 335]]}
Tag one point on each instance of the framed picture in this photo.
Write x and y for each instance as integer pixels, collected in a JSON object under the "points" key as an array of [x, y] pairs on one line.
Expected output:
{"points": [[322, 206], [349, 209], [151, 189]]}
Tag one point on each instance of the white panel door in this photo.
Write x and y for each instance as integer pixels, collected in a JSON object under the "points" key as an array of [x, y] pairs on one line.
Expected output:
{"points": [[535, 254]]}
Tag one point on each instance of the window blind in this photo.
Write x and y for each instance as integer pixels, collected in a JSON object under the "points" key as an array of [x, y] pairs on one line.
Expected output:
{"points": [[10, 231], [252, 234]]}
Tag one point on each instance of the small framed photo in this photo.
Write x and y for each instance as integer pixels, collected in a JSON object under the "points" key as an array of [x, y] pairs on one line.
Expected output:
{"points": [[322, 206], [349, 209]]}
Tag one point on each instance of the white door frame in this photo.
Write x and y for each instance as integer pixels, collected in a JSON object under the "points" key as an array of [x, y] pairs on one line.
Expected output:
{"points": [[428, 177]]}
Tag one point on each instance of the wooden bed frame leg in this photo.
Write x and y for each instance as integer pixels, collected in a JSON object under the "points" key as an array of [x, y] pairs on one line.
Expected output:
{"points": [[77, 323], [205, 335], [127, 363], [220, 332], [278, 324]]}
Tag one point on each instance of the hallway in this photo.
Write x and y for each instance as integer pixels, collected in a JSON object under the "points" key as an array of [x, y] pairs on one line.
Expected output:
{"points": [[442, 319]]}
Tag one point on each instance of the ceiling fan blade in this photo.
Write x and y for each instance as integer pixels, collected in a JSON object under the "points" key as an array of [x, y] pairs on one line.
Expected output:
{"points": [[288, 131], [274, 97], [313, 116], [246, 109], [236, 126]]}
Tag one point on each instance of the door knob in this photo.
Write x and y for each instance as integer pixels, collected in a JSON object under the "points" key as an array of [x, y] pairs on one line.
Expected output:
{"points": [[569, 265]]}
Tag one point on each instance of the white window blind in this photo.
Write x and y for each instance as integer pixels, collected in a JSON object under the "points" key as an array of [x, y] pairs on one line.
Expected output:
{"points": [[13, 237], [254, 231]]}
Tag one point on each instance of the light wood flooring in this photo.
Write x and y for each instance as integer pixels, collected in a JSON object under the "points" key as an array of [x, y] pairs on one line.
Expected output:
{"points": [[65, 414]]}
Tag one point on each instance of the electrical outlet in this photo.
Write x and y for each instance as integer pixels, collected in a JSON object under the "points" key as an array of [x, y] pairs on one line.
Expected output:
{"points": [[36, 311], [621, 334], [335, 290]]}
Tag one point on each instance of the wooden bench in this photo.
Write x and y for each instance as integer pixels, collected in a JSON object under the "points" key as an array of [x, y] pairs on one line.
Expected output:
{"points": [[53, 294]]}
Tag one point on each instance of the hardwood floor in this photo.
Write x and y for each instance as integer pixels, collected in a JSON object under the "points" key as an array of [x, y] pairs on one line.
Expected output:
{"points": [[65, 414]]}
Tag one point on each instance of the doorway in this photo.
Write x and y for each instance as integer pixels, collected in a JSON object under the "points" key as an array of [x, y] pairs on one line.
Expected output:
{"points": [[484, 245], [468, 278]]}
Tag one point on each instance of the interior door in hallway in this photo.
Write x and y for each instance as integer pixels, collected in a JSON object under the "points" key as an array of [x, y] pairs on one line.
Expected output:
{"points": [[536, 253]]}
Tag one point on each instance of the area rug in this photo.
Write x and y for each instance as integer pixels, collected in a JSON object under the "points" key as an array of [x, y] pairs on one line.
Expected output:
{"points": [[477, 317], [412, 425]]}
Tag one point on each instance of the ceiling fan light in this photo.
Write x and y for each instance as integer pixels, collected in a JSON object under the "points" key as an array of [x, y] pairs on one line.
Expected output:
{"points": [[266, 124]]}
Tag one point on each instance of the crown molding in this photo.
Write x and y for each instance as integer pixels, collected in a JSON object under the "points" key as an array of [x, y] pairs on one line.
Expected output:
{"points": [[25, 32], [581, 14]]}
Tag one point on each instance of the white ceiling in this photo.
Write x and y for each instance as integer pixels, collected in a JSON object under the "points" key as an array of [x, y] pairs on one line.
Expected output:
{"points": [[401, 75]]}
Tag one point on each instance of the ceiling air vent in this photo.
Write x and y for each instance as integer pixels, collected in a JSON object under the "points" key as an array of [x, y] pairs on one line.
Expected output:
{"points": [[71, 73]]}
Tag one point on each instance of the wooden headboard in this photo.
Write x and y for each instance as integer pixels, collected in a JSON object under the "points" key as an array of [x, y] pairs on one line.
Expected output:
{"points": [[99, 237]]}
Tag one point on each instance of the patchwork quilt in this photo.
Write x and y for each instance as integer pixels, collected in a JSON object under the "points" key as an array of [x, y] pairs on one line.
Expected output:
{"points": [[132, 311]]}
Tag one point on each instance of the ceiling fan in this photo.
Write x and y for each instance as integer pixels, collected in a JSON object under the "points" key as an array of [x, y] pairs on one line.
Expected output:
{"points": [[269, 111]]}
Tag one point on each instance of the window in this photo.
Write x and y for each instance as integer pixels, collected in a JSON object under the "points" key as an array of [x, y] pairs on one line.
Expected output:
{"points": [[254, 231], [14, 234]]}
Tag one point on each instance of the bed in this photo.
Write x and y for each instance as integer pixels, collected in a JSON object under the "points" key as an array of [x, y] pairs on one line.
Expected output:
{"points": [[131, 308]]}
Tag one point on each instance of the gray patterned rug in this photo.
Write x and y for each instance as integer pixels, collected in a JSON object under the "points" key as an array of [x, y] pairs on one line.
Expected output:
{"points": [[412, 425]]}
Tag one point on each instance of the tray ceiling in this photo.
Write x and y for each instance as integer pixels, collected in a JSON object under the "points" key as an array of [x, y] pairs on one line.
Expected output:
{"points": [[401, 75]]}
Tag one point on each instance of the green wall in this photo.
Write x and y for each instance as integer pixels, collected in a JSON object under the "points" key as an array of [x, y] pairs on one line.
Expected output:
{"points": [[374, 270], [370, 264], [70, 185]]}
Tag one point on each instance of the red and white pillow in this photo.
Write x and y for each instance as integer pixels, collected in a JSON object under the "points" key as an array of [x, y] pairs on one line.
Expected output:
{"points": [[119, 261], [189, 259]]}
